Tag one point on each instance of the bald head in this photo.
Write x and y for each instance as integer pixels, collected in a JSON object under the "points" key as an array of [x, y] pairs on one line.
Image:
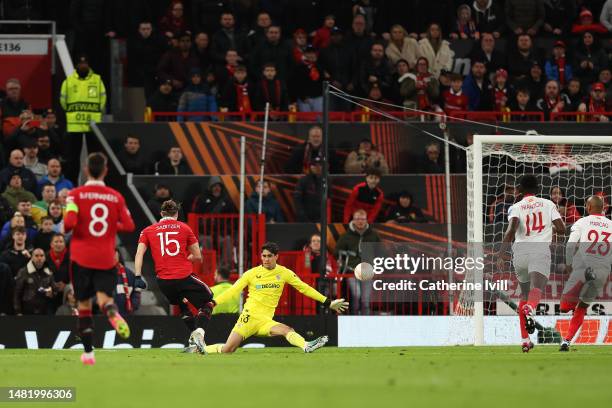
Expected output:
{"points": [[595, 205]]}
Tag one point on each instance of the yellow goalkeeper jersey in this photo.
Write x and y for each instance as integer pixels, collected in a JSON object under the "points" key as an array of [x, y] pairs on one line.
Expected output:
{"points": [[266, 287]]}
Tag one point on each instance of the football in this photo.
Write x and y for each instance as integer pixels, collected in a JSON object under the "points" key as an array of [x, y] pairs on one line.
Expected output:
{"points": [[364, 271]]}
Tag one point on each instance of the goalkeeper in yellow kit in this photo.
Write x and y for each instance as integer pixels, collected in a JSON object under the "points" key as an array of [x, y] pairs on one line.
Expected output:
{"points": [[265, 283]]}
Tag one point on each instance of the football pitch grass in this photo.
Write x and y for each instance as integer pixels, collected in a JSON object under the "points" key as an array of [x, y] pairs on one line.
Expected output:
{"points": [[330, 377]]}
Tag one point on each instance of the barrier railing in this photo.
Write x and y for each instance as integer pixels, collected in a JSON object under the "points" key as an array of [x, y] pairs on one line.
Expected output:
{"points": [[219, 233], [580, 116], [355, 116]]}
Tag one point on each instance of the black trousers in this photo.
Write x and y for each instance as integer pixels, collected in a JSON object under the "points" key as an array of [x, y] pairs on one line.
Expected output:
{"points": [[72, 153]]}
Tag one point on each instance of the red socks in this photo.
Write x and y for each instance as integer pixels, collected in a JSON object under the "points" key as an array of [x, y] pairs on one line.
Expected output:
{"points": [[522, 320], [535, 295], [576, 322]]}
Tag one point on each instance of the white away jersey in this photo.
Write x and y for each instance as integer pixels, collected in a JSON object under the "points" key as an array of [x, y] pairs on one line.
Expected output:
{"points": [[536, 216], [594, 235]]}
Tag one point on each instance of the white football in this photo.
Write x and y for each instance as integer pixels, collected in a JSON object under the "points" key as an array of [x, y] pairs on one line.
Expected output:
{"points": [[364, 271]]}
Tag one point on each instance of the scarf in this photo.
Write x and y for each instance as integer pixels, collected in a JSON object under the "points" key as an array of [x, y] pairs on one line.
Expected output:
{"points": [[57, 258], [422, 81], [274, 99], [243, 102], [561, 67], [313, 72]]}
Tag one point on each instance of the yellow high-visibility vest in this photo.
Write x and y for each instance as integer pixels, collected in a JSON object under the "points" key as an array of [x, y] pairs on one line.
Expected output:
{"points": [[83, 100]]}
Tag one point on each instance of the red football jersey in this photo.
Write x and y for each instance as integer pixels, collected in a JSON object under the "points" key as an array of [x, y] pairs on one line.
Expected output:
{"points": [[96, 213], [454, 101], [169, 241]]}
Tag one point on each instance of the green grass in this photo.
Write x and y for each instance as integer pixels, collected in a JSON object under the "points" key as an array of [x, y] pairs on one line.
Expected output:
{"points": [[331, 377]]}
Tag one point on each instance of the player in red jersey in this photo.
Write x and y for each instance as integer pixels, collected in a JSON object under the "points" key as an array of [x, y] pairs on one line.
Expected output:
{"points": [[174, 247], [95, 213]]}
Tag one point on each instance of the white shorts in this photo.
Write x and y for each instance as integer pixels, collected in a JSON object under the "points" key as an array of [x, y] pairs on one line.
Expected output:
{"points": [[590, 292], [526, 263]]}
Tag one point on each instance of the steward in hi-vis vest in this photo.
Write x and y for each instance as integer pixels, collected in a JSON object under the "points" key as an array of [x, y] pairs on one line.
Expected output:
{"points": [[83, 98]]}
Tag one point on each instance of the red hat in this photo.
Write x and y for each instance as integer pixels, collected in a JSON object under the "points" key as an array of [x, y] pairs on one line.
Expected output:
{"points": [[598, 86], [501, 72], [560, 43], [586, 12]]}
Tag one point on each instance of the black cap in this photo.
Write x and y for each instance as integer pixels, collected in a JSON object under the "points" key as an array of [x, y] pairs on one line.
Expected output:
{"points": [[536, 62], [336, 30]]}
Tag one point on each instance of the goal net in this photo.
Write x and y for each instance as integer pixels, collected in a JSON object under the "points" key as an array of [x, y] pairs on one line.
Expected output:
{"points": [[569, 169]]}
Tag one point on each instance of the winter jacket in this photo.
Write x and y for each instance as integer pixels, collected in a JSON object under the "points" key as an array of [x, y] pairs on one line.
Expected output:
{"points": [[443, 59], [159, 102], [31, 231], [605, 17], [59, 264], [525, 14], [336, 61], [551, 68], [480, 98], [275, 92], [307, 199], [307, 82], [15, 195], [164, 166], [403, 215], [269, 206], [60, 184], [409, 94], [223, 40], [382, 71], [29, 284], [279, 54], [299, 161], [207, 203], [143, 57], [596, 55], [490, 19], [133, 163], [174, 66], [409, 51], [348, 248], [362, 197], [28, 179], [196, 99]]}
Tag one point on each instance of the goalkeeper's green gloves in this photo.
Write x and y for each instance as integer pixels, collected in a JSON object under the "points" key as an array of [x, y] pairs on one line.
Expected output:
{"points": [[337, 305]]}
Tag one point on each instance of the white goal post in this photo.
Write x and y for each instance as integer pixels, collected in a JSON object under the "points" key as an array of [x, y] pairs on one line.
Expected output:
{"points": [[580, 164]]}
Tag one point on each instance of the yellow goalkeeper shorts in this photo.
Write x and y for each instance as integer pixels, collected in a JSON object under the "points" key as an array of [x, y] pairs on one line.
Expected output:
{"points": [[249, 325]]}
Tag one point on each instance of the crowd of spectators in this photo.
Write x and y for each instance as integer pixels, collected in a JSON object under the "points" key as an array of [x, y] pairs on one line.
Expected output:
{"points": [[34, 248], [240, 57]]}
